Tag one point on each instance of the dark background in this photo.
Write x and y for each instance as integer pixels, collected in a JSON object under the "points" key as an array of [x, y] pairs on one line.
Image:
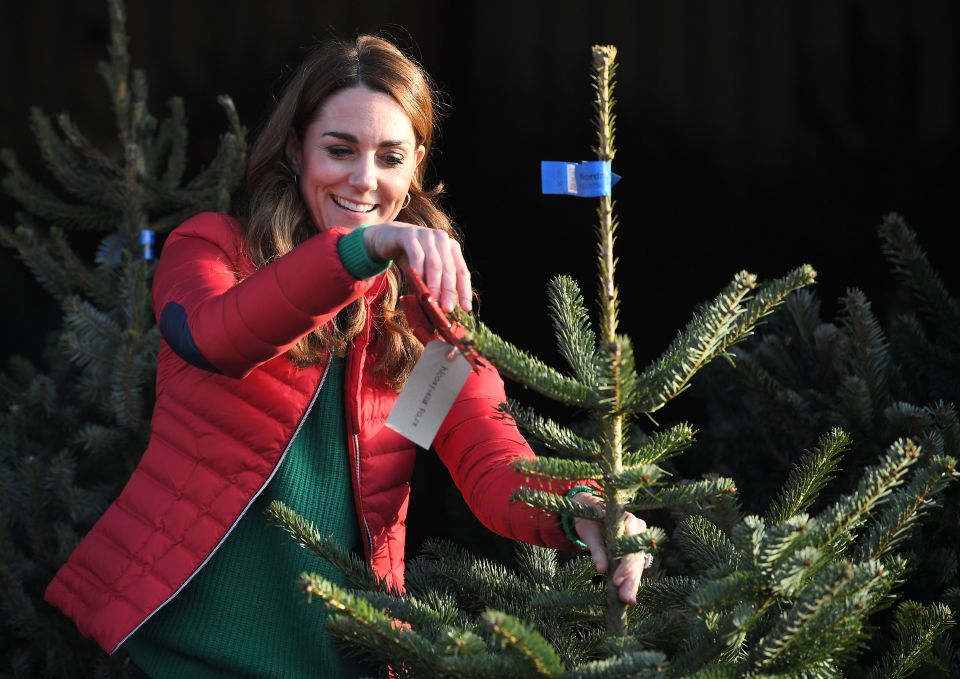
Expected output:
{"points": [[751, 135]]}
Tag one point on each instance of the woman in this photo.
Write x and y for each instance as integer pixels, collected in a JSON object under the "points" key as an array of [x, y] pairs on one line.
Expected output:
{"points": [[283, 351]]}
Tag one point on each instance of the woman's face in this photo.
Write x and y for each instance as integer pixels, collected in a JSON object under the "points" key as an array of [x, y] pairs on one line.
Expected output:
{"points": [[356, 159]]}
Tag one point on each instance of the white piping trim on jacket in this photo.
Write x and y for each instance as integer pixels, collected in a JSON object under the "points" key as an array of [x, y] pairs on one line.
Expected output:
{"points": [[356, 447], [255, 496]]}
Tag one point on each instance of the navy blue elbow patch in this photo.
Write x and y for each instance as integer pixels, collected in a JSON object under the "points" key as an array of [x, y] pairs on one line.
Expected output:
{"points": [[174, 328]]}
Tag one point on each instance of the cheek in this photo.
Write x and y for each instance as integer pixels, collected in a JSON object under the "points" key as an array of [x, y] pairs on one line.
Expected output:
{"points": [[400, 187]]}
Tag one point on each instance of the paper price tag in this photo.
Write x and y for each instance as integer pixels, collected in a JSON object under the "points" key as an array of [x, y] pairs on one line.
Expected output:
{"points": [[429, 393]]}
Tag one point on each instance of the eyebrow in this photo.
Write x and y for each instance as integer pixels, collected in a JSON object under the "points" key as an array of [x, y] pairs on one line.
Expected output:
{"points": [[346, 136]]}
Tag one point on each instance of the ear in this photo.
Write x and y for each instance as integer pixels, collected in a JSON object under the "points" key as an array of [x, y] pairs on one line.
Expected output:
{"points": [[294, 150], [419, 155]]}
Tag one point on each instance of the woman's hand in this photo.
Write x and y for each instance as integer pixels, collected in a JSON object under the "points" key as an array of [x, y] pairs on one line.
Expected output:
{"points": [[627, 575], [434, 255]]}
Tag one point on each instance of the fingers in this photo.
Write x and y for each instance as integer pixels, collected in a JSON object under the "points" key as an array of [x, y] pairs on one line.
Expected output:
{"points": [[592, 535], [464, 287], [630, 567], [432, 254], [433, 261]]}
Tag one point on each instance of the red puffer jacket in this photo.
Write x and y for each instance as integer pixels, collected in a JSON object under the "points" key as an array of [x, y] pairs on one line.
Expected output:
{"points": [[229, 402]]}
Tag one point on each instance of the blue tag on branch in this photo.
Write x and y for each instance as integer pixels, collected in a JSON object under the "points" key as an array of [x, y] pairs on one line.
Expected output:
{"points": [[146, 240], [588, 179]]}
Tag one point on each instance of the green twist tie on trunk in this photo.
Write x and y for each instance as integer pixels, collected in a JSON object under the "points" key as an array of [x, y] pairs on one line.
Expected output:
{"points": [[566, 521]]}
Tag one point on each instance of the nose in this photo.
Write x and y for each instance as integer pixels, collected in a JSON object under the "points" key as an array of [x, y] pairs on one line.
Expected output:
{"points": [[363, 176]]}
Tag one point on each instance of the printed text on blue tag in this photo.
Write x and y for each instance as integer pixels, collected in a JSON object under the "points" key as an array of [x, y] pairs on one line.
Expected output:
{"points": [[589, 179]]}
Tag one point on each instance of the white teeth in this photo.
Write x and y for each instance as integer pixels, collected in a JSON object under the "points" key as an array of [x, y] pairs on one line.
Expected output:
{"points": [[353, 207]]}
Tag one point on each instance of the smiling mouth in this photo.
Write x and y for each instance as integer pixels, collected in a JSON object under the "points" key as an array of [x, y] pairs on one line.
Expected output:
{"points": [[362, 208]]}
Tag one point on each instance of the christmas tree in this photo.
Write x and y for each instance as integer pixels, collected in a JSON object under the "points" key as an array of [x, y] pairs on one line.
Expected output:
{"points": [[71, 434], [803, 373], [781, 592]]}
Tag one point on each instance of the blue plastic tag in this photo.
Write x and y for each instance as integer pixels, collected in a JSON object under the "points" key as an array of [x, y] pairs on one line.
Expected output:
{"points": [[146, 240], [588, 179]]}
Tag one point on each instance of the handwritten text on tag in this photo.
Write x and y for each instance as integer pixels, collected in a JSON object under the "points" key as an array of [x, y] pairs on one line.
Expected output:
{"points": [[429, 393]]}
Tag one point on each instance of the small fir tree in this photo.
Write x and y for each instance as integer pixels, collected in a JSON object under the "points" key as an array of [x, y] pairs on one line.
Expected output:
{"points": [[71, 434], [785, 593]]}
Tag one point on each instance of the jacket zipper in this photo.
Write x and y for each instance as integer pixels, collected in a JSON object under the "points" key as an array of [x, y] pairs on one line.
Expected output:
{"points": [[273, 473], [366, 526]]}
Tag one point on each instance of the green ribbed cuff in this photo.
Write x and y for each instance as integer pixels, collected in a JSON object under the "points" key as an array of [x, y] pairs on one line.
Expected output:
{"points": [[566, 521], [353, 253]]}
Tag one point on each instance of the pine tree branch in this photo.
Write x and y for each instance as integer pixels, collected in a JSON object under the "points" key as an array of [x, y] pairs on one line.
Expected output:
{"points": [[835, 524], [535, 564], [559, 468], [84, 178], [354, 569], [94, 357], [826, 620], [766, 299], [372, 630], [558, 504], [908, 504], [911, 266], [479, 582], [525, 642], [870, 353], [933, 365], [552, 434], [808, 477], [39, 201], [662, 445], [425, 618], [916, 628], [524, 368], [797, 569], [692, 348], [748, 536], [566, 600], [637, 664], [34, 253], [661, 629], [725, 592], [689, 493], [647, 541], [14, 602], [109, 171], [782, 540], [575, 338], [81, 275], [707, 547], [639, 476], [99, 439], [665, 593], [126, 393]]}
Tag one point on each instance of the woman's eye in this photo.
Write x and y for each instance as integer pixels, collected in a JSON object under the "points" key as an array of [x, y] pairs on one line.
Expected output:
{"points": [[393, 160], [338, 151]]}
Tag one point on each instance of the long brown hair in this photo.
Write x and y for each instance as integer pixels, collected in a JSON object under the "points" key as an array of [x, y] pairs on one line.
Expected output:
{"points": [[276, 219]]}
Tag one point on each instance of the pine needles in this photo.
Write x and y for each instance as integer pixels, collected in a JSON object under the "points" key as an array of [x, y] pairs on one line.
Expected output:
{"points": [[69, 438]]}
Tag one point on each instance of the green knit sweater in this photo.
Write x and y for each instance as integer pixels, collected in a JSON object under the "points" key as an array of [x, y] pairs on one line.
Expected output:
{"points": [[242, 615]]}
